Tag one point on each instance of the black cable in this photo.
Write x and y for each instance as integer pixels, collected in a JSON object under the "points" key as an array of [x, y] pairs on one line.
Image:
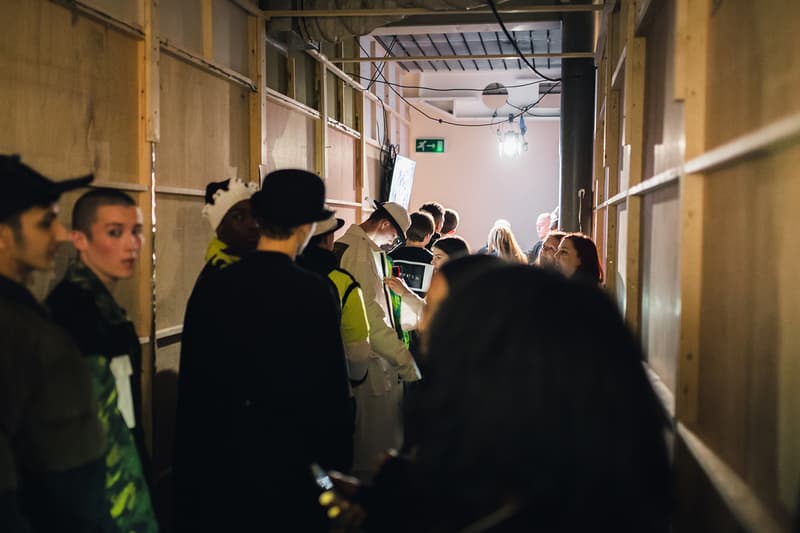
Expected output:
{"points": [[514, 42], [443, 121], [383, 63], [422, 87]]}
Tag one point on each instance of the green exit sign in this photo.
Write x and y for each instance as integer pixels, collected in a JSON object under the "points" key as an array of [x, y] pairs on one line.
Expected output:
{"points": [[430, 145]]}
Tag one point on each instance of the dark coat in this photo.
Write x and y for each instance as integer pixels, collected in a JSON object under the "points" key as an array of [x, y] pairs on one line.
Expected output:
{"points": [[51, 440], [262, 394]]}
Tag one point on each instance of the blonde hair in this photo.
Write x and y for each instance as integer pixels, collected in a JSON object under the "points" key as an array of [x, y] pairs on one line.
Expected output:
{"points": [[502, 241]]}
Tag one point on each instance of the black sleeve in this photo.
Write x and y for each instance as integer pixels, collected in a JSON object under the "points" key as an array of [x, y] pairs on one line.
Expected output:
{"points": [[330, 414]]}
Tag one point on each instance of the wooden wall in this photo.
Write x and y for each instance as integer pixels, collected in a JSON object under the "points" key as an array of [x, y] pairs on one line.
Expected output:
{"points": [[158, 98], [697, 151]]}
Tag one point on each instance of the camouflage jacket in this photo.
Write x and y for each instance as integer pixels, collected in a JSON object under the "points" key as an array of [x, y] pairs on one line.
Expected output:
{"points": [[85, 307]]}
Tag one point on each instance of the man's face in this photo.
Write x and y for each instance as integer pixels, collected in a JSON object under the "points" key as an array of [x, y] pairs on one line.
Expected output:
{"points": [[238, 229], [41, 233], [386, 234], [112, 249], [548, 252], [542, 226]]}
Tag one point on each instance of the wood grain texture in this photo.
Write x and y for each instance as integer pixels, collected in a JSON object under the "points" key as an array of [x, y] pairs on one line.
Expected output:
{"points": [[290, 138], [205, 127], [660, 308]]}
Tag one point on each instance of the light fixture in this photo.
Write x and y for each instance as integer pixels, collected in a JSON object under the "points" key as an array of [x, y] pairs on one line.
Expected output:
{"points": [[510, 141]]}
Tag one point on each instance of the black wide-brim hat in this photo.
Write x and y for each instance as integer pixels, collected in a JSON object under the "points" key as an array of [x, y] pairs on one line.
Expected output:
{"points": [[290, 198], [24, 188]]}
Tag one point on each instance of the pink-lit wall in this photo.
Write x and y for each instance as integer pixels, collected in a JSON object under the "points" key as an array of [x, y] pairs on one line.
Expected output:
{"points": [[471, 178]]}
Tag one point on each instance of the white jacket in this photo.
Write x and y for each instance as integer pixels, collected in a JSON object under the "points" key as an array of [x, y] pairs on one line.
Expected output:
{"points": [[367, 263]]}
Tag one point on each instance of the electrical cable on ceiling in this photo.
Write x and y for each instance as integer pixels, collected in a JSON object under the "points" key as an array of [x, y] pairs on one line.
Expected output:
{"points": [[443, 121], [422, 87], [378, 70], [495, 123], [513, 41]]}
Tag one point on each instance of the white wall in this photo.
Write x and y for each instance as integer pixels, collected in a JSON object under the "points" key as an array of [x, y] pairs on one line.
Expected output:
{"points": [[471, 178]]}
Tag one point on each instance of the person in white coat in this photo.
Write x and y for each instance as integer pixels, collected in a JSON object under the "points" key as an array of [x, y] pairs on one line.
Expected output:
{"points": [[379, 409]]}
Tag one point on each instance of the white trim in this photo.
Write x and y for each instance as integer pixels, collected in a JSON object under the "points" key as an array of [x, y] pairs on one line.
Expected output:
{"points": [[169, 332], [180, 191], [121, 185], [209, 66], [734, 491], [291, 103], [659, 180], [770, 137]]}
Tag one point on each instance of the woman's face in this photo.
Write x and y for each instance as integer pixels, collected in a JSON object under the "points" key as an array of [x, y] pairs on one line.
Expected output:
{"points": [[567, 258], [548, 252], [439, 258]]}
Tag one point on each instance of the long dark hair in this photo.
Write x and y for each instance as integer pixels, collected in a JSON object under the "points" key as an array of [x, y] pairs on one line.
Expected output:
{"points": [[590, 269], [521, 408]]}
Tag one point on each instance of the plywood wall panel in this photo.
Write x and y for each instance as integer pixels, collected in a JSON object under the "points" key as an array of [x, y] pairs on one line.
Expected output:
{"points": [[340, 180], [749, 373], [663, 130], [621, 258], [754, 77], [660, 307], [69, 92], [290, 138], [204, 127], [372, 175], [181, 242], [180, 22]]}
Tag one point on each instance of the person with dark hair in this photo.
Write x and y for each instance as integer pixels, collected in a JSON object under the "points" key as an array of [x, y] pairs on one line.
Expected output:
{"points": [[436, 210], [265, 392], [379, 415], [413, 259], [577, 258], [451, 220], [52, 472], [547, 254], [318, 257], [448, 248], [533, 428], [228, 212], [107, 232]]}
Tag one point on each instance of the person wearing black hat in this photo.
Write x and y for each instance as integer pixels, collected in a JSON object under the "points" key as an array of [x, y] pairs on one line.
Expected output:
{"points": [[319, 257], [266, 393], [379, 414], [51, 440]]}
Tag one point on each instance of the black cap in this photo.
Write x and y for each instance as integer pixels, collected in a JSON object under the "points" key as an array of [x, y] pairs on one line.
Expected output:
{"points": [[290, 198], [24, 188], [213, 187]]}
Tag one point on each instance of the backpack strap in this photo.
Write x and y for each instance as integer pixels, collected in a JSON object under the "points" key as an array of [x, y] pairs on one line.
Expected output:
{"points": [[350, 288]]}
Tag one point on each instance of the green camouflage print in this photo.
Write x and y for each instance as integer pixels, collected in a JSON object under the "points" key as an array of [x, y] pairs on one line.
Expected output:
{"points": [[126, 488]]}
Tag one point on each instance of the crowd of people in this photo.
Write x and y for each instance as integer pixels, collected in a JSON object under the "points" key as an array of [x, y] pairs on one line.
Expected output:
{"points": [[439, 390]]}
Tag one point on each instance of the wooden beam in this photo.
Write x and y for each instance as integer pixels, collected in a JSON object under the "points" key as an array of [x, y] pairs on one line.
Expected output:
{"points": [[207, 21], [543, 55], [321, 134], [634, 138], [696, 16], [207, 65], [257, 99], [745, 505], [148, 137], [406, 12]]}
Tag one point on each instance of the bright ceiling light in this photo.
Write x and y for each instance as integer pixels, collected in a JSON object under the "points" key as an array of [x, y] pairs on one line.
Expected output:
{"points": [[510, 142]]}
